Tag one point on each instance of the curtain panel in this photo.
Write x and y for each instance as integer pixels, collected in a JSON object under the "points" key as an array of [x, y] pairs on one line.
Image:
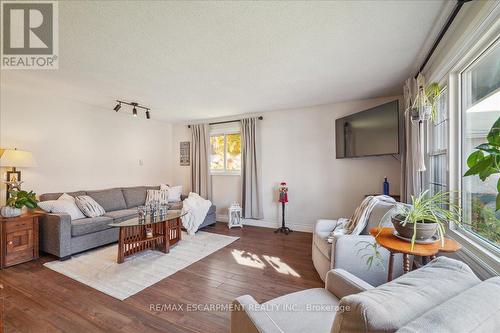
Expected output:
{"points": [[251, 174], [201, 181], [412, 149]]}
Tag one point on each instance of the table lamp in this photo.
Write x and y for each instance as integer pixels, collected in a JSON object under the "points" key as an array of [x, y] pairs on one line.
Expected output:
{"points": [[13, 158]]}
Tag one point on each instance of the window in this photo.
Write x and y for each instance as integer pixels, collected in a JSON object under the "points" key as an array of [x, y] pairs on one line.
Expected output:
{"points": [[480, 101], [438, 146], [225, 153]]}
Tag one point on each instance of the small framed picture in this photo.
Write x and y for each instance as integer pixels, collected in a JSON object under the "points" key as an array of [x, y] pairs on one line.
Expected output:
{"points": [[13, 176], [185, 158]]}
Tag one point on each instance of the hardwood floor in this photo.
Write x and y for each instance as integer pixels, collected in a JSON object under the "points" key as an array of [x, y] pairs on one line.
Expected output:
{"points": [[261, 263]]}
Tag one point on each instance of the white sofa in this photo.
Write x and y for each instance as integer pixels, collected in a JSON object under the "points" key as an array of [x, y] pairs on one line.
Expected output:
{"points": [[444, 296], [347, 251]]}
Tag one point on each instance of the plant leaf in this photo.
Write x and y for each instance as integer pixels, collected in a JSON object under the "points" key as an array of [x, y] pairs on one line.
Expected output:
{"points": [[489, 149], [474, 158], [493, 136], [486, 173], [498, 202], [480, 166]]}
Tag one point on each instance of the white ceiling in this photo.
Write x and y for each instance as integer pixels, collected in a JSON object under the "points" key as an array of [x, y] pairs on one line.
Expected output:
{"points": [[199, 60]]}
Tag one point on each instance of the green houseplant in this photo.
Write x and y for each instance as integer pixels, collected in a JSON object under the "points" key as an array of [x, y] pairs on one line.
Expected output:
{"points": [[485, 160], [426, 215], [19, 199], [425, 103]]}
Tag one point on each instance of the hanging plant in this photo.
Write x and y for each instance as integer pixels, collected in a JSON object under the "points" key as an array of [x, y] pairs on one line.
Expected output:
{"points": [[425, 105]]}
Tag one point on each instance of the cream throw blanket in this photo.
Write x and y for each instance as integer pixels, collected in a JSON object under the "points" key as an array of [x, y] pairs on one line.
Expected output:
{"points": [[196, 208], [358, 221]]}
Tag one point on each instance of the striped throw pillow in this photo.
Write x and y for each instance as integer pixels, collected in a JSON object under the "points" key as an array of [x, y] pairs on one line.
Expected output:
{"points": [[89, 206], [157, 195]]}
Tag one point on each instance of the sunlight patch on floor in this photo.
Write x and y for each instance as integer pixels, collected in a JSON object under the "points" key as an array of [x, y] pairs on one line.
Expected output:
{"points": [[249, 259], [280, 266]]}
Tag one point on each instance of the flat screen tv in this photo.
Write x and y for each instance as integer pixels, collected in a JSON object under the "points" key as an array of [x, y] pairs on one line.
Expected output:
{"points": [[371, 132]]}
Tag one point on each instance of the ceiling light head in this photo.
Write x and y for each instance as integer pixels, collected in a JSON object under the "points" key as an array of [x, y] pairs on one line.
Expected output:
{"points": [[134, 111], [118, 106], [148, 116]]}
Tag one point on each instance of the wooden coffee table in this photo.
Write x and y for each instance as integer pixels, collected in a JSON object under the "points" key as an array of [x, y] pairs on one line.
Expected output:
{"points": [[385, 238], [166, 233]]}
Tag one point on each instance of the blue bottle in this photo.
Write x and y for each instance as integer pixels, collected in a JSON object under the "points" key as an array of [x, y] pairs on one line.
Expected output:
{"points": [[386, 186]]}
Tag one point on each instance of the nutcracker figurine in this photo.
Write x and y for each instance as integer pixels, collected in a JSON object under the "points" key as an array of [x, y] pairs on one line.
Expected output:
{"points": [[283, 198]]}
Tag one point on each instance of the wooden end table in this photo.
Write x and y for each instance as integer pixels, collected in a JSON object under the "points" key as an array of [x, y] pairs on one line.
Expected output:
{"points": [[19, 239], [132, 237], [385, 238]]}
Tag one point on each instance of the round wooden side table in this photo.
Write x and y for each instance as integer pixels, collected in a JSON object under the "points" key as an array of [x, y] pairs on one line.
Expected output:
{"points": [[385, 238]]}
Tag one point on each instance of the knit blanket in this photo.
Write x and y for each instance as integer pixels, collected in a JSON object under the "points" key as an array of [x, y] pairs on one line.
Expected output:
{"points": [[358, 221], [196, 208]]}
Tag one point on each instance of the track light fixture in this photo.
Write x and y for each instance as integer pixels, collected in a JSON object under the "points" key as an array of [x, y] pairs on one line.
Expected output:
{"points": [[135, 106]]}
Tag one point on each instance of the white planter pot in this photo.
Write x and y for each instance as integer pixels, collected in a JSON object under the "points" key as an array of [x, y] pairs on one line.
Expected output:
{"points": [[8, 211]]}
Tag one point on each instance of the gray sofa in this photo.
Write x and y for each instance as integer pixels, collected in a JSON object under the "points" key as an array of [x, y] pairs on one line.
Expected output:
{"points": [[443, 296], [62, 237]]}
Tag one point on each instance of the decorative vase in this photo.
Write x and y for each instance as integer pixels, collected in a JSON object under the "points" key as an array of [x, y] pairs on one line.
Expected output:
{"points": [[424, 230], [8, 211]]}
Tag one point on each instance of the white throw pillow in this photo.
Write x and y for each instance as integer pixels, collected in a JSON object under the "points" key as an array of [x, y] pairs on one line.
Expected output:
{"points": [[89, 206], [164, 187], [174, 193], [77, 212], [66, 196], [160, 196], [61, 207]]}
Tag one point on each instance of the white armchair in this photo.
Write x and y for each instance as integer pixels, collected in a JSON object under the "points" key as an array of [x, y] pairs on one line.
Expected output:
{"points": [[347, 251]]}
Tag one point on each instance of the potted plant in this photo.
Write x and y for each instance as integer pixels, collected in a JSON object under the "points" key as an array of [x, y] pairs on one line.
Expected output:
{"points": [[485, 161], [425, 105], [426, 216], [18, 200]]}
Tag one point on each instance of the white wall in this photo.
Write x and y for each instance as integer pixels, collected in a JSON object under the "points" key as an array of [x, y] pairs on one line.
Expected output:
{"points": [[78, 146], [298, 146]]}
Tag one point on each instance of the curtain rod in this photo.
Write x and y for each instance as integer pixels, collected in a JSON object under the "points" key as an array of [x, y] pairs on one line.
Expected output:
{"points": [[443, 31], [228, 121]]}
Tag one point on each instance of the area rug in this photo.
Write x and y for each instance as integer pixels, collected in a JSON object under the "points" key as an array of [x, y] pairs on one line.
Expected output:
{"points": [[99, 270]]}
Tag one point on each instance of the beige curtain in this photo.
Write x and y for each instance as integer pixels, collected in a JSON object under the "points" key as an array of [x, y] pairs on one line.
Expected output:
{"points": [[411, 147], [201, 181], [251, 175]]}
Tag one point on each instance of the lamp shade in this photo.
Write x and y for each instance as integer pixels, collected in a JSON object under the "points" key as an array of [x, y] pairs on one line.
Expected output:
{"points": [[14, 158]]}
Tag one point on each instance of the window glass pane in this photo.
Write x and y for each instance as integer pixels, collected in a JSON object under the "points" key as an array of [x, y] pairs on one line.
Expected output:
{"points": [[438, 147], [437, 188], [439, 137], [482, 78], [233, 152], [438, 167], [217, 152], [481, 108], [442, 106]]}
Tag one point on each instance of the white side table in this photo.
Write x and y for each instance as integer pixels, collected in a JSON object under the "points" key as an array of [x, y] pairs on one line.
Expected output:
{"points": [[235, 219]]}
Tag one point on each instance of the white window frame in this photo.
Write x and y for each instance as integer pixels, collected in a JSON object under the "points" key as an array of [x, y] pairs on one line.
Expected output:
{"points": [[474, 246], [482, 256], [429, 137], [225, 129], [466, 234]]}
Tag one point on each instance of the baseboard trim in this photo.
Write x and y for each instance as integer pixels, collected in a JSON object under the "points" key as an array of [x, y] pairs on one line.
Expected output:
{"points": [[269, 223]]}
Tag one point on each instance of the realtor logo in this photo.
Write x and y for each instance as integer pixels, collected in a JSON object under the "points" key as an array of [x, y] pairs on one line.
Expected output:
{"points": [[29, 35]]}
